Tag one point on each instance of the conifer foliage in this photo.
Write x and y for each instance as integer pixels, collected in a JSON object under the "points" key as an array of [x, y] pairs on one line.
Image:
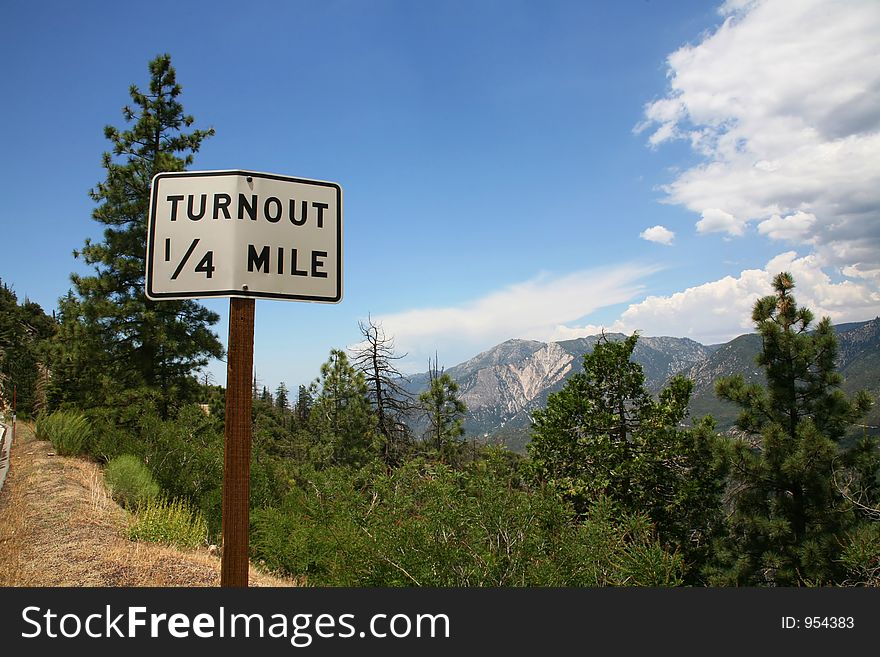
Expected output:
{"points": [[341, 416], [791, 515], [139, 343], [603, 436], [444, 412], [24, 328]]}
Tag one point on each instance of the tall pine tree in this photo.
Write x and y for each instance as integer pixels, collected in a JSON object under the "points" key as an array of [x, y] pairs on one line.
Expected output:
{"points": [[791, 518], [142, 343]]}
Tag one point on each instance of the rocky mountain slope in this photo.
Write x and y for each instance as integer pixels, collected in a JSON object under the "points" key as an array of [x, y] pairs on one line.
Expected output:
{"points": [[504, 384]]}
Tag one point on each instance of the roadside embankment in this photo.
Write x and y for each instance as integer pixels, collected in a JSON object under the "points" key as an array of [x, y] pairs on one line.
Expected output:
{"points": [[60, 527]]}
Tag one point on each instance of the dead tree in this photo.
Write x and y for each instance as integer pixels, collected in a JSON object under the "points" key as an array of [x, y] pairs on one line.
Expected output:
{"points": [[392, 403]]}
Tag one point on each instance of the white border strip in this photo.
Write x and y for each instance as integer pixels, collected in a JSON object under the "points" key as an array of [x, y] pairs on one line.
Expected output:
{"points": [[5, 452]]}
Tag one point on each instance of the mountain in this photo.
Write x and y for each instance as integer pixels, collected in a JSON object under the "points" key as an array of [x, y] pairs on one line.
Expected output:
{"points": [[860, 364], [500, 386], [734, 357], [503, 385], [858, 361]]}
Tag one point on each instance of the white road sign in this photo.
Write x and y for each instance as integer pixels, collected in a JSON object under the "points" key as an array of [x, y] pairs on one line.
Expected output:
{"points": [[244, 234]]}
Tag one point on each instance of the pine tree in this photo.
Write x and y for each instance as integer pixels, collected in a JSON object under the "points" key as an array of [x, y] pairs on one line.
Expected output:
{"points": [[282, 401], [791, 517], [604, 436], [584, 441], [282, 398], [24, 331], [141, 342], [304, 403], [341, 415], [444, 412]]}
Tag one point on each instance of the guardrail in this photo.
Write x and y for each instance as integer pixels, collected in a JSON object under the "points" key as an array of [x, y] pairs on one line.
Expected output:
{"points": [[6, 434]]}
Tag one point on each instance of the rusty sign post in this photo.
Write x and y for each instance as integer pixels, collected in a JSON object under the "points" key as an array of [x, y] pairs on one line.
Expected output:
{"points": [[237, 450], [243, 235]]}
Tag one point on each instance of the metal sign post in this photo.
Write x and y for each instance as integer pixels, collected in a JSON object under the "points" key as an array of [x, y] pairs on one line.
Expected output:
{"points": [[242, 234]]}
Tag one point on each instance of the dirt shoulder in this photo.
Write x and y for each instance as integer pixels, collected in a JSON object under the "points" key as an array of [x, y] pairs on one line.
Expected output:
{"points": [[59, 527]]}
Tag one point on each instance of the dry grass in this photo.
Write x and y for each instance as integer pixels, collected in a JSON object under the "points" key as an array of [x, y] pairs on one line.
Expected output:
{"points": [[59, 527]]}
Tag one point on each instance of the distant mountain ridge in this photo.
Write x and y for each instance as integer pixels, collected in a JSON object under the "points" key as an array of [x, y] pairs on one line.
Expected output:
{"points": [[503, 385]]}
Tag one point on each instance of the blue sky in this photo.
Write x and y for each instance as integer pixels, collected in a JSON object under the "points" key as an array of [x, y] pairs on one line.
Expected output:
{"points": [[510, 169]]}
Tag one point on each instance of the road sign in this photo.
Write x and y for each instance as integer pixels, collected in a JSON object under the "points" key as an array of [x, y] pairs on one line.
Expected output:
{"points": [[244, 234]]}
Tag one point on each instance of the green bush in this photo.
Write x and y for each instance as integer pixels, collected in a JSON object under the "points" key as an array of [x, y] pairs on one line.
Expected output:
{"points": [[116, 428], [68, 431], [185, 455], [861, 555], [184, 452], [428, 525], [130, 482], [315, 533], [169, 522], [109, 441], [621, 549]]}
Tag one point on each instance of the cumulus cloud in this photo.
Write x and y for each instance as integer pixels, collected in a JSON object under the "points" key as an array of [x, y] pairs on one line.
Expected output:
{"points": [[659, 234], [714, 220], [797, 227], [720, 310], [782, 101], [531, 309]]}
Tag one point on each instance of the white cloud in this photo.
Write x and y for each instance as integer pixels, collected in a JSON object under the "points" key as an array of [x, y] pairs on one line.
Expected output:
{"points": [[783, 103], [720, 310], [546, 308], [714, 220], [665, 132], [532, 309], [659, 234], [795, 227]]}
